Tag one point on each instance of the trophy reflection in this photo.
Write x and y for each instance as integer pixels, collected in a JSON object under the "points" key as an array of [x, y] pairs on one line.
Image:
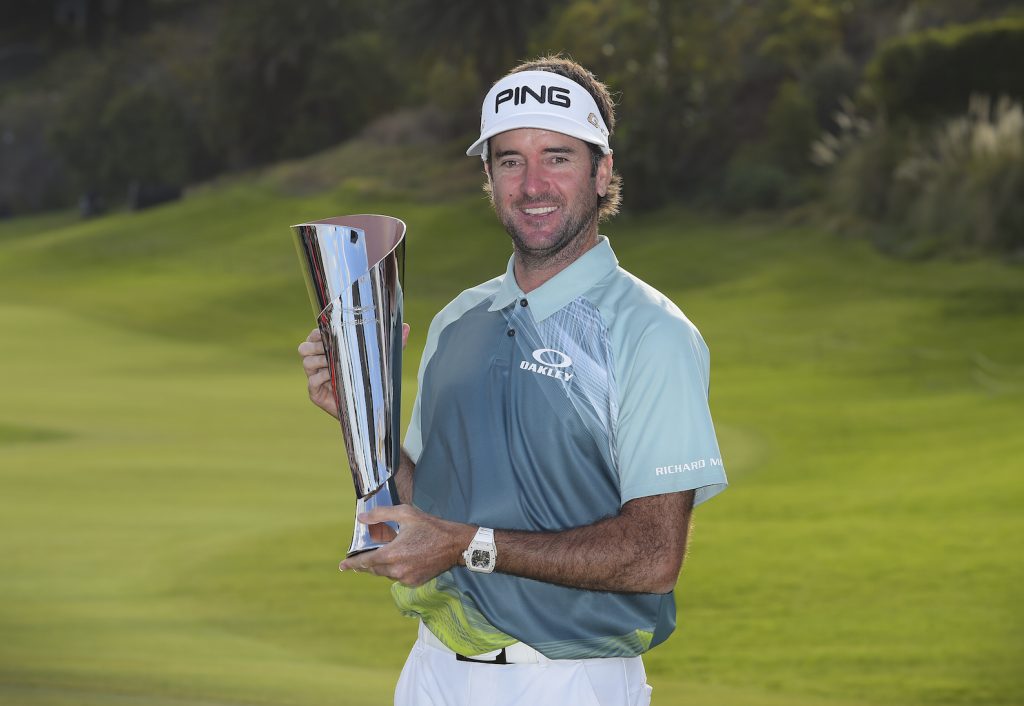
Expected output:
{"points": [[354, 267]]}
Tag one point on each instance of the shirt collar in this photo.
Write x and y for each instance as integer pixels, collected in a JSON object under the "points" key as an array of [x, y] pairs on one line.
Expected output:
{"points": [[586, 271]]}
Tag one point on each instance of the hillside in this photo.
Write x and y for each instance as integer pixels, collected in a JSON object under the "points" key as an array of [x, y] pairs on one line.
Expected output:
{"points": [[173, 508]]}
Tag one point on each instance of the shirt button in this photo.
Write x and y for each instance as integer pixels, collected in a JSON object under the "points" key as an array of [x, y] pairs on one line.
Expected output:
{"points": [[511, 332], [523, 302]]}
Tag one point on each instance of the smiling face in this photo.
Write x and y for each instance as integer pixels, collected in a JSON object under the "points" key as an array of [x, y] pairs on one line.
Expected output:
{"points": [[545, 193]]}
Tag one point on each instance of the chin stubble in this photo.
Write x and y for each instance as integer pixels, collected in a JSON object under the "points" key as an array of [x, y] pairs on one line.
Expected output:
{"points": [[569, 235]]}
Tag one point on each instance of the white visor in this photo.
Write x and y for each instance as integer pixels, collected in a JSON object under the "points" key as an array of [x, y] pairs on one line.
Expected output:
{"points": [[544, 100]]}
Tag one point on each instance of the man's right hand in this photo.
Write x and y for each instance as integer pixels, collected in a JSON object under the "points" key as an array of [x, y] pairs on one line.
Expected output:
{"points": [[318, 376]]}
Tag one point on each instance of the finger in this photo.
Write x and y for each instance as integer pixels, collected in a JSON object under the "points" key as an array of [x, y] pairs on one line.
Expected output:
{"points": [[405, 334], [314, 363], [311, 348], [314, 335], [352, 563], [366, 562], [318, 380]]}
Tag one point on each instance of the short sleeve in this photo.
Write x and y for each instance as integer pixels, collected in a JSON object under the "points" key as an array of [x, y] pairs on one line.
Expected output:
{"points": [[413, 444], [665, 439]]}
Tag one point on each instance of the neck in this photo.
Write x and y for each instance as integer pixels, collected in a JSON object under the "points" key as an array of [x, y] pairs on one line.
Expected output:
{"points": [[533, 270]]}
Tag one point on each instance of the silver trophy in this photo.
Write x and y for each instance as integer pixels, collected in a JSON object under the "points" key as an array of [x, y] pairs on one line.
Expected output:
{"points": [[354, 268]]}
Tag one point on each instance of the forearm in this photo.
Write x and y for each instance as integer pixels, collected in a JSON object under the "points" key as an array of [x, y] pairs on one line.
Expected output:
{"points": [[640, 550], [403, 477]]}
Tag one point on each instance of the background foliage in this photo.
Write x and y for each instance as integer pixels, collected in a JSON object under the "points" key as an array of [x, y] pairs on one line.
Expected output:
{"points": [[719, 103], [928, 75]]}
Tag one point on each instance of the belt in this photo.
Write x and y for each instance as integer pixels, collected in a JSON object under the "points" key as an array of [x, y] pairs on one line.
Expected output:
{"points": [[516, 653]]}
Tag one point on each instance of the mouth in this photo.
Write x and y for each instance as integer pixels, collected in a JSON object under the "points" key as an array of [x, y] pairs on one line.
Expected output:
{"points": [[540, 210]]}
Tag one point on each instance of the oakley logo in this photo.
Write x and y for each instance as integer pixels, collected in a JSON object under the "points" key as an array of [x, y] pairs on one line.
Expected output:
{"points": [[550, 362], [552, 358], [553, 95]]}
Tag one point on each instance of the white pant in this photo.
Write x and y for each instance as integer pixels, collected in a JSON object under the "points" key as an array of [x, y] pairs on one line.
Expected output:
{"points": [[433, 677]]}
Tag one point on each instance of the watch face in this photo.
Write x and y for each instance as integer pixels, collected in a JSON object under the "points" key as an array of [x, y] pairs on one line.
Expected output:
{"points": [[480, 558]]}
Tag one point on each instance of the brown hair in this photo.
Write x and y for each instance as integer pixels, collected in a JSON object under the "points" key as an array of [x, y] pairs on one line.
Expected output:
{"points": [[608, 205]]}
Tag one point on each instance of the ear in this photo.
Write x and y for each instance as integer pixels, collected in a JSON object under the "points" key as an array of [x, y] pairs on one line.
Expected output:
{"points": [[604, 175]]}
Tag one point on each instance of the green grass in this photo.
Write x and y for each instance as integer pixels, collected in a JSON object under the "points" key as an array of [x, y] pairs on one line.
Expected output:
{"points": [[172, 508]]}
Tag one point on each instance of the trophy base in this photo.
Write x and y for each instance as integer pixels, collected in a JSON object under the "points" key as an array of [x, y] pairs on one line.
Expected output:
{"points": [[385, 496]]}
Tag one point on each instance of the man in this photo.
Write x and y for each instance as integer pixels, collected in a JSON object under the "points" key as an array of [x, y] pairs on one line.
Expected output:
{"points": [[559, 440]]}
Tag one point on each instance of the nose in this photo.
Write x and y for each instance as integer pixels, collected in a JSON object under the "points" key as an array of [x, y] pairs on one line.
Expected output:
{"points": [[535, 180]]}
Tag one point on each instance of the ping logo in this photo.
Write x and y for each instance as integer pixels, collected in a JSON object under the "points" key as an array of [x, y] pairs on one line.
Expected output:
{"points": [[552, 95], [550, 362]]}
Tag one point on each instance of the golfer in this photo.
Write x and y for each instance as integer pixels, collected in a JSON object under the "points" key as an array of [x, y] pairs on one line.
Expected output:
{"points": [[560, 437]]}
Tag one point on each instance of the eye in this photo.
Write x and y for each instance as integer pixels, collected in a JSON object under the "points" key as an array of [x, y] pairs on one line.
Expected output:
{"points": [[508, 163]]}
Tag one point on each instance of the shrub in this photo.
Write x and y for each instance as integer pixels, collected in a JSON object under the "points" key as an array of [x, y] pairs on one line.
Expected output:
{"points": [[790, 128], [753, 185], [956, 186], [965, 185], [932, 74], [863, 179], [828, 82]]}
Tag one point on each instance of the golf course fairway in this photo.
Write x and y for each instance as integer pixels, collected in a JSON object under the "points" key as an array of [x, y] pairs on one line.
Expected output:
{"points": [[173, 509]]}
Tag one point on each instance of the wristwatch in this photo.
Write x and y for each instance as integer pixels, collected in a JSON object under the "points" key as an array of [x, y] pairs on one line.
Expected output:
{"points": [[482, 555]]}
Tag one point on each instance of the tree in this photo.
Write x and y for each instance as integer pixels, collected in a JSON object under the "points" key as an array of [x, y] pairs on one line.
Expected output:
{"points": [[494, 33]]}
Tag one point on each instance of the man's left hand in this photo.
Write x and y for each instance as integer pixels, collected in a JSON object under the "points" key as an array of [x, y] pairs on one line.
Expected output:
{"points": [[425, 547]]}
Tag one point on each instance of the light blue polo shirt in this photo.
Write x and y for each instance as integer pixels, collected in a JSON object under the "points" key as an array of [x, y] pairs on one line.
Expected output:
{"points": [[547, 411]]}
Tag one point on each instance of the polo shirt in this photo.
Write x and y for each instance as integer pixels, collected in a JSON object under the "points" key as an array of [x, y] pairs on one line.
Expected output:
{"points": [[547, 411]]}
